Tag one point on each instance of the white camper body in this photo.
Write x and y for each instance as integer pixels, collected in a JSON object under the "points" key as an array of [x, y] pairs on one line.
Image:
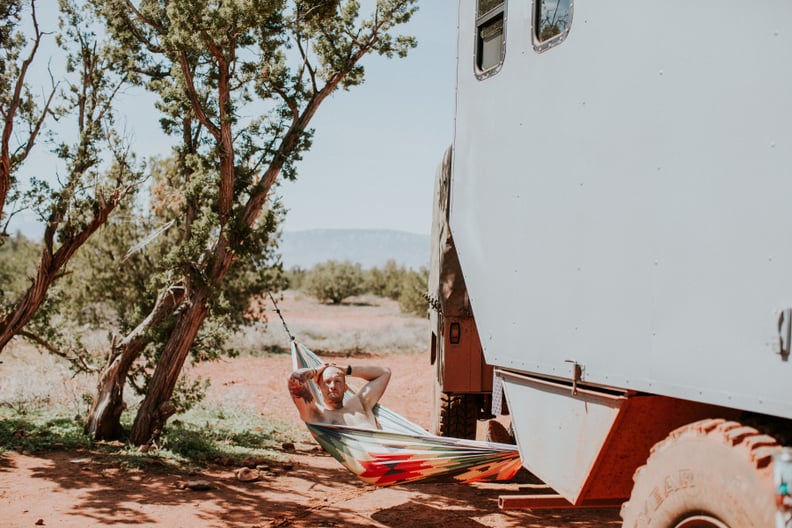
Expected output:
{"points": [[620, 203]]}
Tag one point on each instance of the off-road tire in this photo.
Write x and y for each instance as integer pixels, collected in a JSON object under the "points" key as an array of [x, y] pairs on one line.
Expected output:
{"points": [[458, 415], [712, 473]]}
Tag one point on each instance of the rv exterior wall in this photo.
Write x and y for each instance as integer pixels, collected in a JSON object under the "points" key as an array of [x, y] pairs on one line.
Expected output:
{"points": [[621, 199]]}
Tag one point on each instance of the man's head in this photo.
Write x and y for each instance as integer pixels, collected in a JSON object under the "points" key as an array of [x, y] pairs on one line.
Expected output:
{"points": [[332, 383]]}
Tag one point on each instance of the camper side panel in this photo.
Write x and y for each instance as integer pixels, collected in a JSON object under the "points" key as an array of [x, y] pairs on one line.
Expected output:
{"points": [[622, 199]]}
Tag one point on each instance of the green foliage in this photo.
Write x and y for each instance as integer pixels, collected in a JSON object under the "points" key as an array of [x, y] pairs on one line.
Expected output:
{"points": [[295, 278], [21, 111], [334, 281], [17, 264], [40, 432], [207, 434], [238, 83], [386, 282], [189, 393], [98, 171], [401, 284], [116, 277], [413, 297], [211, 433]]}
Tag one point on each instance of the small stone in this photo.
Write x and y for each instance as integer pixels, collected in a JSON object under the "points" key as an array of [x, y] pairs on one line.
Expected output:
{"points": [[247, 475], [288, 447], [197, 485], [224, 461], [40, 522]]}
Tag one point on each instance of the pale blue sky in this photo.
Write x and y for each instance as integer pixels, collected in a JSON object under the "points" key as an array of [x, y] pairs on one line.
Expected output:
{"points": [[376, 147]]}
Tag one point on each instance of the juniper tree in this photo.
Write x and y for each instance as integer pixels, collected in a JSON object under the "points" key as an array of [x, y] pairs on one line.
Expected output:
{"points": [[21, 113], [239, 82], [98, 171]]}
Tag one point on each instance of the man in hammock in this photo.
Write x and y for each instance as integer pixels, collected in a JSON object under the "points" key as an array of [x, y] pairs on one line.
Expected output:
{"points": [[357, 411]]}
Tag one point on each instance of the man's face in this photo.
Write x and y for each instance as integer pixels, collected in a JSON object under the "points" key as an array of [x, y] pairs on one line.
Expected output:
{"points": [[333, 385]]}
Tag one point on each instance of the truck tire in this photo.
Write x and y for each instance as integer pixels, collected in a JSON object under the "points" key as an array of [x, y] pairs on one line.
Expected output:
{"points": [[712, 473], [458, 415]]}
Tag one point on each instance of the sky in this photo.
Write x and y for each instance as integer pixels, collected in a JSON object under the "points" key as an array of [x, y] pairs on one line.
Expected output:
{"points": [[376, 147]]}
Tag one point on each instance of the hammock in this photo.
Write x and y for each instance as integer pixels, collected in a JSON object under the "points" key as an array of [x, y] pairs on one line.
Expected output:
{"points": [[402, 451]]}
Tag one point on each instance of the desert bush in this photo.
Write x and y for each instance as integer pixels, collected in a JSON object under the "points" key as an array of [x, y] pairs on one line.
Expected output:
{"points": [[334, 281], [17, 264], [295, 278], [386, 282], [413, 295], [401, 284]]}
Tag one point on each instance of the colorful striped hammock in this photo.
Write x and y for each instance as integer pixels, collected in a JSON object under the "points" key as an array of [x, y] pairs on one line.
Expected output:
{"points": [[405, 452]]}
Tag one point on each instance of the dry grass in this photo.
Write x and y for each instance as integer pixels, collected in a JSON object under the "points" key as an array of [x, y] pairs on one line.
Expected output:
{"points": [[30, 380], [360, 326]]}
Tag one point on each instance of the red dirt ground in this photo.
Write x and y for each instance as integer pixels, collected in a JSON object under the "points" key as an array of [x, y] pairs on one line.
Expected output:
{"points": [[81, 490]]}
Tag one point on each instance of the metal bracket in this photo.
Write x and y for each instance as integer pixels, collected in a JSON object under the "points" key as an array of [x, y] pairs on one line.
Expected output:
{"points": [[784, 333], [577, 372], [538, 502]]}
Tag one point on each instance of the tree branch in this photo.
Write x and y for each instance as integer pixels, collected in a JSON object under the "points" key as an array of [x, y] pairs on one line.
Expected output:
{"points": [[192, 94], [153, 48], [13, 107], [79, 362]]}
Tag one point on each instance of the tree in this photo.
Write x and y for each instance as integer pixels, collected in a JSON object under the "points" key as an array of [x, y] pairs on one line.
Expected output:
{"points": [[334, 281], [213, 63], [386, 282], [18, 106], [413, 295], [99, 174], [115, 283]]}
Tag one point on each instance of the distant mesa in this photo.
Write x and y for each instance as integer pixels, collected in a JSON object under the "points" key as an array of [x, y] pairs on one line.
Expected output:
{"points": [[371, 248]]}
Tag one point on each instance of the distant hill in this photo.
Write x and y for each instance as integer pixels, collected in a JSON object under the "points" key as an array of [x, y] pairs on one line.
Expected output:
{"points": [[371, 248]]}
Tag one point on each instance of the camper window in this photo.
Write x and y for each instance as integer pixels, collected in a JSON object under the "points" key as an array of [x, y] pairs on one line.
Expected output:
{"points": [[490, 36], [551, 20]]}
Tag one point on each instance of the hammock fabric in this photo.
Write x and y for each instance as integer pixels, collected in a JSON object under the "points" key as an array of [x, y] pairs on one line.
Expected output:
{"points": [[402, 451]]}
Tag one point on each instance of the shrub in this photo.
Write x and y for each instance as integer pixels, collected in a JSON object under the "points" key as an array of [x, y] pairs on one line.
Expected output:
{"points": [[334, 281], [386, 282], [295, 277], [413, 296]]}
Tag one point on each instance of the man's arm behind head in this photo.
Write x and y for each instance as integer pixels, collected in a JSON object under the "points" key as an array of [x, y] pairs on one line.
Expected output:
{"points": [[377, 377]]}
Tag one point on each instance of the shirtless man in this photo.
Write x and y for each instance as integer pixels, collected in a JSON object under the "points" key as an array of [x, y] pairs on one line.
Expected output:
{"points": [[331, 379]]}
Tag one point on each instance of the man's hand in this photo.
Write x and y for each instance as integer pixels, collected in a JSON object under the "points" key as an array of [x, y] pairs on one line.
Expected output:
{"points": [[318, 376], [297, 386]]}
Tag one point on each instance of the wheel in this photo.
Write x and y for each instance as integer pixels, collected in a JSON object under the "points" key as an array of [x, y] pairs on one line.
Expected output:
{"points": [[458, 415], [708, 474], [454, 415]]}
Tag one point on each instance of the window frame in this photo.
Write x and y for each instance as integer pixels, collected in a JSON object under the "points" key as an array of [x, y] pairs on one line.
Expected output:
{"points": [[482, 19], [555, 40]]}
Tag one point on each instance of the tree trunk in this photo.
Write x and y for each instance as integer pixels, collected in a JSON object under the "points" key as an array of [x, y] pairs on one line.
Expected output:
{"points": [[156, 408], [104, 419]]}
